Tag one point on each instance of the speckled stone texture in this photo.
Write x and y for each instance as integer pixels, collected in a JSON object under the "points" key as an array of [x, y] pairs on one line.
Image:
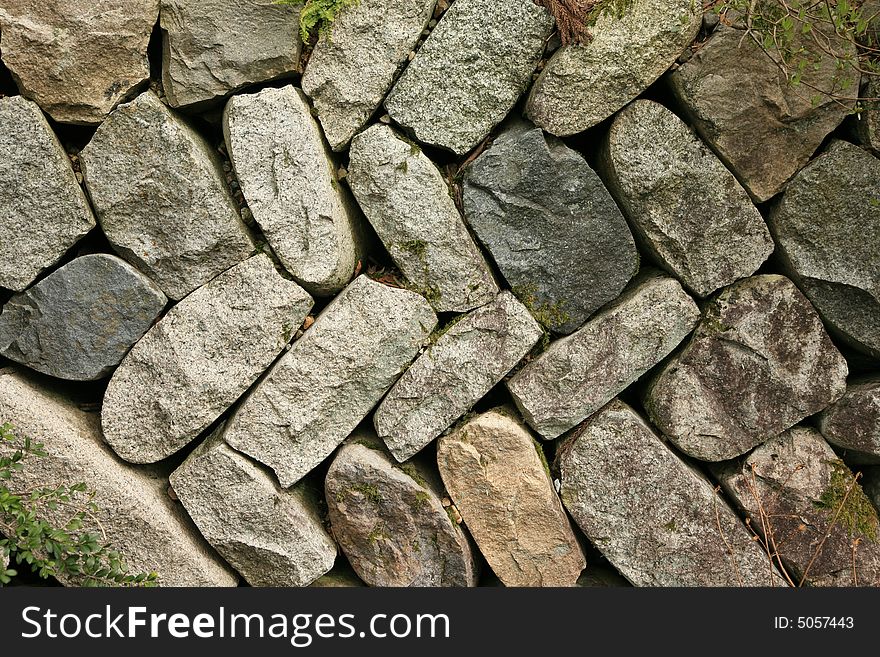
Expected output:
{"points": [[852, 423]]}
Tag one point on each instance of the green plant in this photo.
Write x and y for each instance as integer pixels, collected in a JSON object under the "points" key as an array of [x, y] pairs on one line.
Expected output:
{"points": [[30, 533], [317, 15]]}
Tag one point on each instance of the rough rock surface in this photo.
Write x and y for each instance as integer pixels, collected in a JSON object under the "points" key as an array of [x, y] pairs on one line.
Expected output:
{"points": [[78, 322], [134, 510], [657, 520], [289, 181], [823, 524], [351, 69], [868, 122], [316, 395], [688, 210], [580, 373], [496, 474], [390, 522], [827, 226], [213, 47], [467, 361], [853, 421], [759, 362], [871, 485], [77, 60], [583, 85], [408, 203], [43, 211], [160, 197], [201, 357], [270, 535], [469, 73]]}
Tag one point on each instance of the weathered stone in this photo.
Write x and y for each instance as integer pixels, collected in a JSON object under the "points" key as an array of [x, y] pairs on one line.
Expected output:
{"points": [[43, 211], [853, 422], [460, 368], [270, 535], [353, 67], [867, 122], [289, 181], [496, 474], [795, 489], [551, 226], [657, 520], [580, 373], [390, 522], [79, 322], [134, 512], [827, 226], [583, 85], [77, 60], [871, 485], [316, 395], [763, 128], [687, 209], [214, 47], [759, 362], [407, 201], [470, 72], [160, 197]]}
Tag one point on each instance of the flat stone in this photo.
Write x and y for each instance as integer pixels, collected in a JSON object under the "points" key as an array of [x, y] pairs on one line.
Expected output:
{"points": [[288, 178], [272, 536], [79, 322], [408, 203], [77, 60], [867, 122], [134, 511], [469, 73], [314, 397], [213, 47], [583, 85], [160, 197], [581, 373], [551, 226], [460, 368], [823, 525], [827, 227], [687, 209], [43, 212], [498, 479], [353, 66], [759, 362], [657, 520], [199, 359], [852, 423], [390, 521]]}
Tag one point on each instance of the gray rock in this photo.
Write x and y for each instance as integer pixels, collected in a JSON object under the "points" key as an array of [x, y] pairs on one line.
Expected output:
{"points": [[43, 212], [867, 122], [496, 474], [213, 47], [583, 85], [687, 209], [270, 535], [460, 368], [795, 490], [289, 181], [201, 357], [160, 197], [79, 322], [353, 67], [580, 373], [470, 72], [759, 362], [316, 395], [551, 226], [77, 60], [871, 485], [827, 226], [390, 522], [656, 519], [408, 203], [134, 512], [853, 422]]}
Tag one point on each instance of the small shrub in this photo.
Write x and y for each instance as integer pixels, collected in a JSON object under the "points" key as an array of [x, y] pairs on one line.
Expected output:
{"points": [[317, 15]]}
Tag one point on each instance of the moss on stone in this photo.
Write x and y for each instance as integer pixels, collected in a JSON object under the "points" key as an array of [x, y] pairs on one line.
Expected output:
{"points": [[845, 500], [548, 315], [542, 457], [369, 492]]}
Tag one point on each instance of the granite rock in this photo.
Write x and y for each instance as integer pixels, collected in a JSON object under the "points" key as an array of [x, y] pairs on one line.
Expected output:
{"points": [[852, 423]]}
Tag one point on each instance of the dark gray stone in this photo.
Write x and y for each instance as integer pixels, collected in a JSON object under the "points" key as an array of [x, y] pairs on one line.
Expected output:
{"points": [[853, 421]]}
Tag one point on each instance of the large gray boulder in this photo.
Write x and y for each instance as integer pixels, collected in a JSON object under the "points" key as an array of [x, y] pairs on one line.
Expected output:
{"points": [[868, 121], [551, 226], [160, 197], [852, 423], [43, 211], [79, 322]]}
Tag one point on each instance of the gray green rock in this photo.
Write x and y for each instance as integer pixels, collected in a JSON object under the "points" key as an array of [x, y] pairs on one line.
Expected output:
{"points": [[852, 423]]}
